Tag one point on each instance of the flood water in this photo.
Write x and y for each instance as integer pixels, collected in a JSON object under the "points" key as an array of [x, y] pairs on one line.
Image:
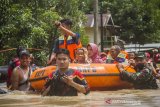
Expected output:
{"points": [[119, 98]]}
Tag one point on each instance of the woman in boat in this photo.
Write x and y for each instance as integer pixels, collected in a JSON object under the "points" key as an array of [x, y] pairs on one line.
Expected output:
{"points": [[93, 53], [81, 56]]}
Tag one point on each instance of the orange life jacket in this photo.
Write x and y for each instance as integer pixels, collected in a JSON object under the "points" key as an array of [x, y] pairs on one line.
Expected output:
{"points": [[70, 44]]}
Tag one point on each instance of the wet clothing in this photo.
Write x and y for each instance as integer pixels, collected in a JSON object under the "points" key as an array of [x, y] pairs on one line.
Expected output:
{"points": [[121, 58], [60, 88], [142, 79], [95, 58], [24, 84], [68, 42], [13, 63]]}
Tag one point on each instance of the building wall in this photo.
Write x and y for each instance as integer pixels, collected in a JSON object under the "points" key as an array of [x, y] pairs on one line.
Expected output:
{"points": [[90, 33], [107, 38]]}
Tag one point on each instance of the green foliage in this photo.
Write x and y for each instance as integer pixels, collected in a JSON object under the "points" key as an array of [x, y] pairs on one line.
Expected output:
{"points": [[30, 23], [139, 19], [84, 37]]}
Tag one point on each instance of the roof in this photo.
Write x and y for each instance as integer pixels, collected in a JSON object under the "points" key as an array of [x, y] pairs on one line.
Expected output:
{"points": [[138, 47], [106, 19], [151, 45]]}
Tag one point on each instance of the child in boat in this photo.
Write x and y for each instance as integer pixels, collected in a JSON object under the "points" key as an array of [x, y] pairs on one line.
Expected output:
{"points": [[81, 56]]}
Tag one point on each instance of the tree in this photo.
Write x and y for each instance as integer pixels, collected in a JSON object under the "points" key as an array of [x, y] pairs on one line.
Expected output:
{"points": [[138, 19], [30, 23]]}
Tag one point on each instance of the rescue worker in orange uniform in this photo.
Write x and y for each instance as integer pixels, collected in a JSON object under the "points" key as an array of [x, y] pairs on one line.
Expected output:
{"points": [[68, 40]]}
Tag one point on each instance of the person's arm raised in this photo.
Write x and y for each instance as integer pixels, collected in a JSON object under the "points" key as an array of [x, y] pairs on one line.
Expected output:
{"points": [[67, 31]]}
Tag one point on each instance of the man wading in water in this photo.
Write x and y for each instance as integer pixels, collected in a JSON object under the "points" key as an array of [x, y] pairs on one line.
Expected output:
{"points": [[65, 81], [143, 78], [20, 75]]}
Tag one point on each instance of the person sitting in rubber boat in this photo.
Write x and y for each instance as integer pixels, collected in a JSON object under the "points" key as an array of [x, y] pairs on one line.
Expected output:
{"points": [[21, 74], [67, 40], [65, 81], [103, 56], [93, 53], [81, 56], [143, 78], [115, 55]]}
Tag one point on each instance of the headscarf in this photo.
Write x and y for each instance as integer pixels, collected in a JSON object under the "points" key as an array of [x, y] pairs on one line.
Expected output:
{"points": [[95, 58]]}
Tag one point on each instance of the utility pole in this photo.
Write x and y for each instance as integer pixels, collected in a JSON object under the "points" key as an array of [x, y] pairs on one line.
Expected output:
{"points": [[101, 16], [95, 21]]}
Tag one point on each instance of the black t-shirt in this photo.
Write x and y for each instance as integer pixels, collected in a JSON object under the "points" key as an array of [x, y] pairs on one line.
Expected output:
{"points": [[59, 88]]}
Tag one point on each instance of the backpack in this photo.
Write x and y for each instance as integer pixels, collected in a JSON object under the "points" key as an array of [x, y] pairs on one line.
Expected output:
{"points": [[13, 63]]}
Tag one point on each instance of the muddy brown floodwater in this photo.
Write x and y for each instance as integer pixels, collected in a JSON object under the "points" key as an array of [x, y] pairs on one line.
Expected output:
{"points": [[119, 98]]}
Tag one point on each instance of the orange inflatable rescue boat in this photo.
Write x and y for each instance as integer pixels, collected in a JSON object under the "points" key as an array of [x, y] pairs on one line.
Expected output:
{"points": [[98, 76]]}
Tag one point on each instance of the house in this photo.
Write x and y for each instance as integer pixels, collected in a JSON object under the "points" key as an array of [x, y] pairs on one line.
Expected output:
{"points": [[109, 34]]}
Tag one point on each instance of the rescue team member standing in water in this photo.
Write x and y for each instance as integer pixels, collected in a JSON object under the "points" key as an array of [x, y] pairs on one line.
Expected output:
{"points": [[21, 73], [143, 78], [65, 81], [68, 40]]}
